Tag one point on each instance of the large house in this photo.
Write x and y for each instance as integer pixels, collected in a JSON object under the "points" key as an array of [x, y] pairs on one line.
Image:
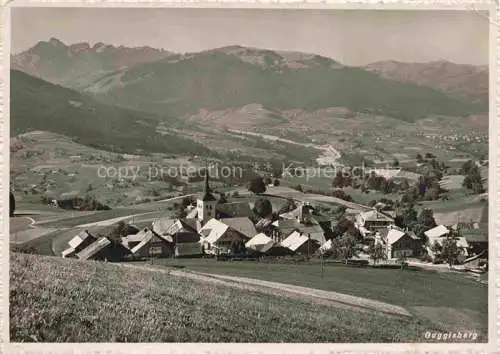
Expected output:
{"points": [[78, 243], [301, 243], [182, 234], [438, 234], [400, 243], [147, 244], [370, 222], [98, 250], [302, 220], [260, 243], [217, 237]]}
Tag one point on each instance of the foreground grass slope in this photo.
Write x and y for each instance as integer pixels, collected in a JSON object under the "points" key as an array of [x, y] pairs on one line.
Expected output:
{"points": [[412, 288], [58, 300]]}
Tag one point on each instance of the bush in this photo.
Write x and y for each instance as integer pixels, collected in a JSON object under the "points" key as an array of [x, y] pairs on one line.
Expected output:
{"points": [[263, 207], [24, 249]]}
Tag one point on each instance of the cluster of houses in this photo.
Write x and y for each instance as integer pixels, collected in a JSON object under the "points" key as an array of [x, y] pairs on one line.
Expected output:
{"points": [[213, 228], [378, 227]]}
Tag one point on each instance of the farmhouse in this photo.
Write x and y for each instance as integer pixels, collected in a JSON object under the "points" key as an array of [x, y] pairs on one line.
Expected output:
{"points": [[150, 245], [78, 243], [181, 233], [98, 250], [243, 225], [438, 231], [300, 243], [284, 228], [475, 235], [369, 222], [260, 243], [401, 244], [462, 246], [217, 237]]}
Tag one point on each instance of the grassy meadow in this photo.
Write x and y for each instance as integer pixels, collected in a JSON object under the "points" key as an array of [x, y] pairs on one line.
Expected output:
{"points": [[58, 300], [410, 288]]}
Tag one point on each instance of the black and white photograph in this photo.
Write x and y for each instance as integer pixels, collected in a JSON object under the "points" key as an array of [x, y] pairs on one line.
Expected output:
{"points": [[249, 175]]}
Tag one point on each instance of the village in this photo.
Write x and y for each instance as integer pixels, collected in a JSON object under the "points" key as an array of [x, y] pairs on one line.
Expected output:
{"points": [[208, 227]]}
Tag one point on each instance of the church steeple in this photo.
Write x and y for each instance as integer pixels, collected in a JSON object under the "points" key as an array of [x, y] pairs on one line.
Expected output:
{"points": [[207, 195], [206, 204]]}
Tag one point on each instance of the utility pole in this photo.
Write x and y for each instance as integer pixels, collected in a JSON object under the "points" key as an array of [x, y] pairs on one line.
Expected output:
{"points": [[309, 247], [322, 265]]}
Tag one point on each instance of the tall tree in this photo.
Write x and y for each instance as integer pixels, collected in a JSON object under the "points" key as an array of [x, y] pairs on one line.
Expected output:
{"points": [[12, 204], [257, 185], [377, 252], [263, 207], [345, 247]]}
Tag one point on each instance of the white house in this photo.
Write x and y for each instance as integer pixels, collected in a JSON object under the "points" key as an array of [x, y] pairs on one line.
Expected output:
{"points": [[259, 243]]}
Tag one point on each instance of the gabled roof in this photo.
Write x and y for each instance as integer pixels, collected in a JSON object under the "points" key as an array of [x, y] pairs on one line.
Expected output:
{"points": [[162, 226], [437, 231], [148, 236], [461, 242], [287, 226], [260, 242], [243, 225], [394, 235], [135, 237], [375, 215], [263, 223], [294, 241], [68, 252], [166, 226], [328, 245], [94, 248], [294, 214], [213, 230], [80, 238], [208, 197], [235, 209]]}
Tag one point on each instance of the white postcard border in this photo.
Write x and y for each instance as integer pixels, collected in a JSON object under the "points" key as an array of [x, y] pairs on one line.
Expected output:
{"points": [[493, 344]]}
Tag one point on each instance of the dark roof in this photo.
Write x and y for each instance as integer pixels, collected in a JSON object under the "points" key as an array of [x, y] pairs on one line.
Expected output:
{"points": [[474, 235], [235, 209], [243, 225], [287, 226], [208, 197], [187, 237], [190, 223]]}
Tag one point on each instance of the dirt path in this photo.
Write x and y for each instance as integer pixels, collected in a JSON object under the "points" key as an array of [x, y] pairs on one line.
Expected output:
{"points": [[330, 298]]}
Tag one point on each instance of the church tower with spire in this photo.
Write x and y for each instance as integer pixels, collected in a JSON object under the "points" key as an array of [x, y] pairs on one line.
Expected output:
{"points": [[206, 204]]}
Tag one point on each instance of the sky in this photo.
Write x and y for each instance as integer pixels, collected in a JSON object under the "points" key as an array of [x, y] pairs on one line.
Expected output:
{"points": [[353, 37]]}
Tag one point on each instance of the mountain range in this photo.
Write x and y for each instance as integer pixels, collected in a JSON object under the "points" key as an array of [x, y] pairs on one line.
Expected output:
{"points": [[109, 96], [73, 65], [462, 81]]}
